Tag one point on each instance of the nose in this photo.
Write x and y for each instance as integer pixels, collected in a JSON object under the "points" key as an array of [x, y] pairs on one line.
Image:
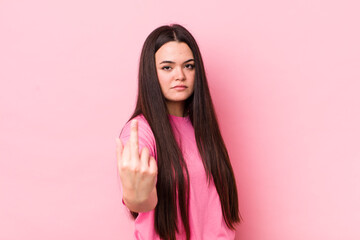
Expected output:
{"points": [[180, 74]]}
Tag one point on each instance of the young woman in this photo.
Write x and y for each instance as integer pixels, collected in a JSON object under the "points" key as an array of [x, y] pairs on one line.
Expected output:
{"points": [[175, 172]]}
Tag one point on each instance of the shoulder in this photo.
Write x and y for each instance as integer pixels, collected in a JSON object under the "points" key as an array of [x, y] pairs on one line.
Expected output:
{"points": [[143, 126], [145, 134]]}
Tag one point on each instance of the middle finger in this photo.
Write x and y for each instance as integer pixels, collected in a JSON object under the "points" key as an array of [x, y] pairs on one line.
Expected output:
{"points": [[134, 141]]}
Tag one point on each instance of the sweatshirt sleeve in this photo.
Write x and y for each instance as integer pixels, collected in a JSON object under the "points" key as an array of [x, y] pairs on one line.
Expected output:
{"points": [[145, 135]]}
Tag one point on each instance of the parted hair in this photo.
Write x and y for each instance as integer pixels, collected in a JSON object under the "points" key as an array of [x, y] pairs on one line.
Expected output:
{"points": [[173, 177]]}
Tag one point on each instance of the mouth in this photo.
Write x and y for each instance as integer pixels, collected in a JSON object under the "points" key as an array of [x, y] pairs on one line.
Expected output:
{"points": [[179, 87]]}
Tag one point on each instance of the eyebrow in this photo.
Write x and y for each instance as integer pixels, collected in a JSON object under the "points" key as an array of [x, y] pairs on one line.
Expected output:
{"points": [[174, 62]]}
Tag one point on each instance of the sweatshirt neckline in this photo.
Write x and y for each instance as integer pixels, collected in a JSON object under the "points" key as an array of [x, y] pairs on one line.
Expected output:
{"points": [[177, 118]]}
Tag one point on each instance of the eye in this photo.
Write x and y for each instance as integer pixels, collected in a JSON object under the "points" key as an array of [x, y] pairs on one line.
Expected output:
{"points": [[166, 68], [190, 66]]}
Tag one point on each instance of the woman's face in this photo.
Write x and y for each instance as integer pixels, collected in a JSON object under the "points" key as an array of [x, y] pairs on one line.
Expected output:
{"points": [[175, 68]]}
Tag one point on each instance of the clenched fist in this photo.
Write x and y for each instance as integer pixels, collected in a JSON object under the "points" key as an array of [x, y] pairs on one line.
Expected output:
{"points": [[138, 173]]}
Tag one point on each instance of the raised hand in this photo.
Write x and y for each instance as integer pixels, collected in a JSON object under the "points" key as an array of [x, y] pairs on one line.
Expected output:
{"points": [[138, 173]]}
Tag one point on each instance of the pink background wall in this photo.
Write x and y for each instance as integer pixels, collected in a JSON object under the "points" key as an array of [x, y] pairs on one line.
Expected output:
{"points": [[285, 80]]}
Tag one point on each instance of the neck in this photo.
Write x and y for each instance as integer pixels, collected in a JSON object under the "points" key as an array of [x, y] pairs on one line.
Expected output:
{"points": [[176, 108]]}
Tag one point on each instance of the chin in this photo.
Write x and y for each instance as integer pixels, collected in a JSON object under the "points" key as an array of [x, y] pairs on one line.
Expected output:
{"points": [[178, 98]]}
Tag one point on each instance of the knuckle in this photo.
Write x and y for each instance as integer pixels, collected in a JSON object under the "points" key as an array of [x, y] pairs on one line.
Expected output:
{"points": [[151, 171], [143, 171], [154, 172], [135, 169], [123, 167], [130, 168]]}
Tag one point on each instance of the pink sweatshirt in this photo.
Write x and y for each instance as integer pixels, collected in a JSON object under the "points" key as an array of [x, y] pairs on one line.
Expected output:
{"points": [[205, 215]]}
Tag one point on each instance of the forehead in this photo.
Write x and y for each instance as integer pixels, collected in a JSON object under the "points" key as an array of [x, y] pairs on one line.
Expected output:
{"points": [[174, 51]]}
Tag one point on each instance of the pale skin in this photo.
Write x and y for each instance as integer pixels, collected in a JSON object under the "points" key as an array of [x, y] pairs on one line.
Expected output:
{"points": [[175, 68], [138, 173], [138, 170]]}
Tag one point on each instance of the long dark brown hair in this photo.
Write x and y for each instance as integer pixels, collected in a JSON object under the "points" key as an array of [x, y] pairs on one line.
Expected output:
{"points": [[173, 177]]}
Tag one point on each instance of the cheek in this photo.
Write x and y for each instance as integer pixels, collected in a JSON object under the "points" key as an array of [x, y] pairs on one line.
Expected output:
{"points": [[191, 77], [163, 80]]}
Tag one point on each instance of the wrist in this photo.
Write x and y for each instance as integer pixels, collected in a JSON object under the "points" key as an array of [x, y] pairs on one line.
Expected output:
{"points": [[137, 205]]}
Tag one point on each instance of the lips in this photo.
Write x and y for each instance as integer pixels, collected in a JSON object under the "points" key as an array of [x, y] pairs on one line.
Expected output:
{"points": [[180, 87]]}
